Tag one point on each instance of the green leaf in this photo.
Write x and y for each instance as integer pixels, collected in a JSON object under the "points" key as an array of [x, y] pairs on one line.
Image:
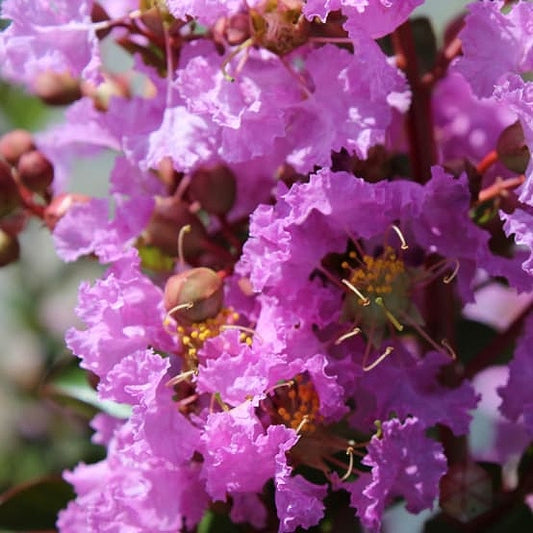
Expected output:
{"points": [[34, 506], [70, 387]]}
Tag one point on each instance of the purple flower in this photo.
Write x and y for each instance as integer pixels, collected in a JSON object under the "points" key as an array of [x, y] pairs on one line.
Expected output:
{"points": [[374, 17], [86, 228], [406, 386], [48, 36], [466, 126], [517, 394], [495, 44], [239, 456], [122, 313], [404, 463], [299, 503]]}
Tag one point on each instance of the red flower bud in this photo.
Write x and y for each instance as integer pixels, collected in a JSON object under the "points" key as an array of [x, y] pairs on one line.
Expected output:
{"points": [[512, 149], [35, 171], [214, 188], [14, 144], [170, 215], [194, 295], [9, 194]]}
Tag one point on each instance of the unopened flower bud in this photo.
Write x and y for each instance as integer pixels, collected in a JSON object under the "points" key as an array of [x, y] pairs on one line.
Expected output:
{"points": [[14, 144], [169, 216], [9, 248], [9, 195], [214, 188], [194, 295], [35, 171], [57, 88], [233, 30], [59, 206], [512, 149]]}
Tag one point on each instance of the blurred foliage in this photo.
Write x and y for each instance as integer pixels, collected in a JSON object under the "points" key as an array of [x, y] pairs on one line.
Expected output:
{"points": [[40, 436]]}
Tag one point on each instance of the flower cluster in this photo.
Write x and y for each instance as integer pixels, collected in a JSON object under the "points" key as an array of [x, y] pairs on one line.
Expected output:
{"points": [[299, 209]]}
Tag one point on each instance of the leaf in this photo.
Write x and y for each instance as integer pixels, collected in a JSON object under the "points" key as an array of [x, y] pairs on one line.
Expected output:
{"points": [[34, 506], [70, 387]]}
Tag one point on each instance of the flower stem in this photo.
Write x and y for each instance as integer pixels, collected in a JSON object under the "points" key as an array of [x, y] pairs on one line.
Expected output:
{"points": [[419, 122]]}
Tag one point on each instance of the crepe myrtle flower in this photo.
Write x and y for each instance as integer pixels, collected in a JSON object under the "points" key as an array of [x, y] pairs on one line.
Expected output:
{"points": [[495, 42], [373, 248]]}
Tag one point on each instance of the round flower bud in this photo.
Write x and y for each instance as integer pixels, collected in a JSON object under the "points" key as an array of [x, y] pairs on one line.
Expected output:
{"points": [[14, 144], [9, 248], [512, 149], [57, 88], [35, 171], [9, 194], [169, 216], [214, 188], [194, 295]]}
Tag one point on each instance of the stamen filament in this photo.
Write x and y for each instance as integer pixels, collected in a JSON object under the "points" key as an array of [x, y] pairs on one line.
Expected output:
{"points": [[179, 307], [351, 333], [348, 473], [181, 257], [305, 420], [217, 398], [422, 333], [384, 355], [404, 245], [288, 384], [187, 401], [449, 278], [451, 351], [226, 62], [180, 377], [364, 299], [390, 316]]}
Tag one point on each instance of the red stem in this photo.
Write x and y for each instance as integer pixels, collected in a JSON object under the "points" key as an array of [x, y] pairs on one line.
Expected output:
{"points": [[419, 122], [491, 352]]}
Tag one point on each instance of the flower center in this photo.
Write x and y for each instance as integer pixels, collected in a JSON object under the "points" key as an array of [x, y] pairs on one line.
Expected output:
{"points": [[294, 404], [279, 26], [379, 293], [192, 336]]}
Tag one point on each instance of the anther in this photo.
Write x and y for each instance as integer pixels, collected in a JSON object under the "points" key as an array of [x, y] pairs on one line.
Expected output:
{"points": [[448, 279], [404, 245], [350, 454], [364, 300], [384, 355], [351, 333], [390, 316], [450, 350]]}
